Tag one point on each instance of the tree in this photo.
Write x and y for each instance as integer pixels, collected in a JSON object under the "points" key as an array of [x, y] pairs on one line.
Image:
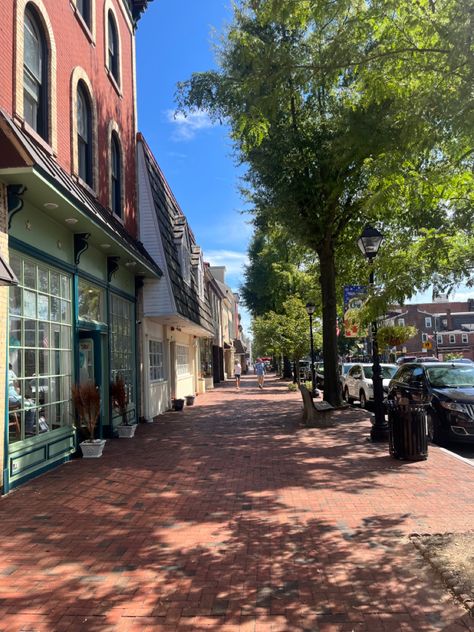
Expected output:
{"points": [[285, 334], [335, 109]]}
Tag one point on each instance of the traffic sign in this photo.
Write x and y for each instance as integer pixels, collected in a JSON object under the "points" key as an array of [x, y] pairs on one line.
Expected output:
{"points": [[427, 345]]}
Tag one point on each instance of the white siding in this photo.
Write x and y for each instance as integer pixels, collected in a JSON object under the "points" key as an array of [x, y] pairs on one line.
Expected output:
{"points": [[156, 394]]}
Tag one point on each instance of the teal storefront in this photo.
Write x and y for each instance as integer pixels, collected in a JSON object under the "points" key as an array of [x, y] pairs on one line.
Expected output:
{"points": [[72, 316]]}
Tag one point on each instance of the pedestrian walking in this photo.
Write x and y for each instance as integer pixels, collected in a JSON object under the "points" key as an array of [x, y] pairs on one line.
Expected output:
{"points": [[237, 374], [260, 371]]}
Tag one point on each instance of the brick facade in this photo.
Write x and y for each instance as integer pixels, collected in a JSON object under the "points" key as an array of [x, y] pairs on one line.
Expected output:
{"points": [[449, 327], [75, 50]]}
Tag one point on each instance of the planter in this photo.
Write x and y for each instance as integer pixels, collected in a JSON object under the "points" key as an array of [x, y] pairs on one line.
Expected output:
{"points": [[178, 404], [190, 400], [126, 432], [92, 449]]}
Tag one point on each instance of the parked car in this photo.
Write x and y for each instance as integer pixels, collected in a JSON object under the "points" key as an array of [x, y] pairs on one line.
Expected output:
{"points": [[448, 390], [319, 374], [358, 382], [304, 370]]}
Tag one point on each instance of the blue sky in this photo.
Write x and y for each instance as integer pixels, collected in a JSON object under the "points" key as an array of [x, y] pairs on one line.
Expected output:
{"points": [[174, 39]]}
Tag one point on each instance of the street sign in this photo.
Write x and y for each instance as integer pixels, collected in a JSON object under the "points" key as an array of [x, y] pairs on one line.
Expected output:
{"points": [[427, 345]]}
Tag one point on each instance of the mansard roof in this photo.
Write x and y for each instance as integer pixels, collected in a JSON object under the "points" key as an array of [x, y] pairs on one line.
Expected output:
{"points": [[173, 227]]}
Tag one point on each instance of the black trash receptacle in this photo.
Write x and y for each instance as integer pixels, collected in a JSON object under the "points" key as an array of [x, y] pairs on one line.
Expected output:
{"points": [[408, 431]]}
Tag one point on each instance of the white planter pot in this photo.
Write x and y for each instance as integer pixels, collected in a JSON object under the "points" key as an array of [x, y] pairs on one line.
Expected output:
{"points": [[92, 449], [126, 432]]}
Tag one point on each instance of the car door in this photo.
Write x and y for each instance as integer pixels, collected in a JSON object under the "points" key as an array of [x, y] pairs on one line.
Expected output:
{"points": [[353, 381], [399, 389]]}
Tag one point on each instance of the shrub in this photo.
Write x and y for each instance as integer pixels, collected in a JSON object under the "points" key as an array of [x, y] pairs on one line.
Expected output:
{"points": [[86, 401]]}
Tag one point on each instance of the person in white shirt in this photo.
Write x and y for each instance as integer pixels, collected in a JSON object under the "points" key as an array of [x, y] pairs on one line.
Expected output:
{"points": [[237, 374]]}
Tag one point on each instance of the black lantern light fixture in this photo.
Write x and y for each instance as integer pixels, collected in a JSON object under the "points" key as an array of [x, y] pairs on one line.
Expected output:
{"points": [[369, 243], [310, 309]]}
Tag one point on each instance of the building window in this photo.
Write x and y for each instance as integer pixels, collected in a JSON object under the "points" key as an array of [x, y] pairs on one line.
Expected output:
{"points": [[185, 261], [401, 322], [84, 134], [182, 360], [428, 322], [40, 349], [122, 356], [424, 337], [84, 9], [113, 48], [452, 338], [115, 175], [439, 338], [465, 338], [91, 302], [155, 355], [35, 65]]}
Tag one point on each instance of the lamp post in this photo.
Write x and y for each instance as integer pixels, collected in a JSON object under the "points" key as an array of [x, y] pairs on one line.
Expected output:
{"points": [[369, 244], [310, 309]]}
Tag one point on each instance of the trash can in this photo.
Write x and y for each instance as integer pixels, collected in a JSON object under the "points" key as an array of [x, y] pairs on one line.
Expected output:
{"points": [[408, 431]]}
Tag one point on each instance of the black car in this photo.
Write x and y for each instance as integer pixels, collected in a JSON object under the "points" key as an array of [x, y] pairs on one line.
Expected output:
{"points": [[447, 388]]}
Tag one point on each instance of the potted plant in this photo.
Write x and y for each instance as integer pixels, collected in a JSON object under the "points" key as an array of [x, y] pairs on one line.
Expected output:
{"points": [[178, 403], [86, 401], [118, 393]]}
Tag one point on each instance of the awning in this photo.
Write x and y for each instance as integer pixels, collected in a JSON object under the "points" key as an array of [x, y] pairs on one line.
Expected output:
{"points": [[7, 276]]}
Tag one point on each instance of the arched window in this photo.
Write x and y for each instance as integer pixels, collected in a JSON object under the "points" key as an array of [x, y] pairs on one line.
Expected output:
{"points": [[113, 47], [35, 75], [84, 8], [84, 134], [115, 175]]}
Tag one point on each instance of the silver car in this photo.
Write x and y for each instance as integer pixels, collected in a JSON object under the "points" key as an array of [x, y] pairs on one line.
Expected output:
{"points": [[358, 382]]}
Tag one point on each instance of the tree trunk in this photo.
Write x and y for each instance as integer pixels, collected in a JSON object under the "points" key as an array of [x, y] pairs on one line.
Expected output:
{"points": [[327, 280]]}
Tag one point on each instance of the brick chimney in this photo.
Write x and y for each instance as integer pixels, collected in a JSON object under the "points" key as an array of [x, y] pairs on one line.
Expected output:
{"points": [[449, 318]]}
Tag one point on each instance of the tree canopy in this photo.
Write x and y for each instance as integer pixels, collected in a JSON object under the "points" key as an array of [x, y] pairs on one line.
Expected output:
{"points": [[349, 112]]}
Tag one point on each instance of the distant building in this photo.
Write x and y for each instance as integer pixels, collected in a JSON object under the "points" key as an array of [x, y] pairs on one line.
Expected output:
{"points": [[443, 328]]}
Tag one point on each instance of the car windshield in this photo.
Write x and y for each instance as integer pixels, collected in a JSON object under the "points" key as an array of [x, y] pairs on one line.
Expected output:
{"points": [[387, 372], [451, 376]]}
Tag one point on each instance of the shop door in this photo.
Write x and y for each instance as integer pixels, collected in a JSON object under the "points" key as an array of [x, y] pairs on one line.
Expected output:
{"points": [[90, 367]]}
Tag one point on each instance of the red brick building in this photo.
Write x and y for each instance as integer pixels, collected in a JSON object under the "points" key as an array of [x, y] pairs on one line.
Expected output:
{"points": [[69, 219], [443, 328]]}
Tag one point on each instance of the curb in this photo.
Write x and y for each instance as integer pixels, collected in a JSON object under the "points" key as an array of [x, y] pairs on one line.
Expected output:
{"points": [[449, 577]]}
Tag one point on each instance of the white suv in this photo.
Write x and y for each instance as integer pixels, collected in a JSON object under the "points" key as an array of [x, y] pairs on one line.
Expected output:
{"points": [[358, 382]]}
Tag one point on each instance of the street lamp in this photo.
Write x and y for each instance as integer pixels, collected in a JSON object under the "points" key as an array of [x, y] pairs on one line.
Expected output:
{"points": [[369, 244], [310, 309]]}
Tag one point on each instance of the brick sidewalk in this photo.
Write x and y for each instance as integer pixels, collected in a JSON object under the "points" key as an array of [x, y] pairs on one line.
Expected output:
{"points": [[231, 516]]}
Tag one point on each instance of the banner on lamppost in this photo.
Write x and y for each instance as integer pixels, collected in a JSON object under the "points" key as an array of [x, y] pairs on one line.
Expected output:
{"points": [[354, 297]]}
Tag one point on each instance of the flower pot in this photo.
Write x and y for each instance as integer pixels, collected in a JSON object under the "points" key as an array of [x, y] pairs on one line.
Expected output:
{"points": [[126, 432], [190, 400], [92, 449], [178, 404]]}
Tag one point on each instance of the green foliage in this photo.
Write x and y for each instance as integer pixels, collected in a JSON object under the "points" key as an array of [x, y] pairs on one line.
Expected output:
{"points": [[285, 334], [452, 356]]}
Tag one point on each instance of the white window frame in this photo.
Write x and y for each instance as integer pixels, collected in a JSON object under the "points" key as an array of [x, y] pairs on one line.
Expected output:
{"points": [[452, 338], [424, 337], [156, 370], [465, 338], [439, 338], [428, 322], [182, 360], [401, 322]]}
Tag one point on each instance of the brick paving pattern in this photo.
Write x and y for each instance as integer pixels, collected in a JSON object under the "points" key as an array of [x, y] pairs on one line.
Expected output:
{"points": [[231, 516]]}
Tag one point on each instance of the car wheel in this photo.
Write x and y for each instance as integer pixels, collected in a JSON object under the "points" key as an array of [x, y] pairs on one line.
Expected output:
{"points": [[435, 433], [363, 400]]}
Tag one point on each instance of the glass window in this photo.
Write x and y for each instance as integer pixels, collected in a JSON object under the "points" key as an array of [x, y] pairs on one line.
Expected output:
{"points": [[182, 360], [156, 360], [113, 47], [465, 338], [439, 338], [452, 338], [424, 337], [122, 358], [115, 175], [84, 8], [401, 322], [91, 303], [35, 64], [84, 134], [205, 345], [39, 359], [428, 322]]}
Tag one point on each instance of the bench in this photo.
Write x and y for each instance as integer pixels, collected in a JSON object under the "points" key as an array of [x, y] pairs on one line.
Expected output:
{"points": [[314, 414]]}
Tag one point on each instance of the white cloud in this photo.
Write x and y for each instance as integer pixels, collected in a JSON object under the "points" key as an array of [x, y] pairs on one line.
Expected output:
{"points": [[186, 127], [233, 261]]}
